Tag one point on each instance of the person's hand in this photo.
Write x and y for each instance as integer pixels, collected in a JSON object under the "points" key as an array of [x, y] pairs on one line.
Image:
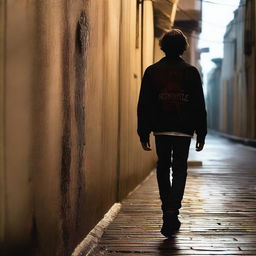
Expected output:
{"points": [[199, 145], [146, 146]]}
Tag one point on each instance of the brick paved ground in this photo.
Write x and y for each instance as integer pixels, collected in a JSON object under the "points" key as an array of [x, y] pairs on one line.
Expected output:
{"points": [[218, 214]]}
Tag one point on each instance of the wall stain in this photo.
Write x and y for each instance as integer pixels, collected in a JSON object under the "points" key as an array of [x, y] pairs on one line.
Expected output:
{"points": [[80, 67], [34, 233], [66, 140], [70, 219]]}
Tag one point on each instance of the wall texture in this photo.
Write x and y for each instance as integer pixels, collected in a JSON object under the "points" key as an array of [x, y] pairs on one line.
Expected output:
{"points": [[44, 125], [71, 77], [2, 143]]}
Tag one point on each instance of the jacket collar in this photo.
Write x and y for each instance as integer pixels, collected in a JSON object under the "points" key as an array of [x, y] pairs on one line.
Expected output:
{"points": [[172, 59]]}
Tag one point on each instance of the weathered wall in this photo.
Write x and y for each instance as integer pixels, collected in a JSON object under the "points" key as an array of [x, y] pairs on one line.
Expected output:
{"points": [[132, 158], [101, 137], [147, 35], [2, 82], [72, 74], [44, 125]]}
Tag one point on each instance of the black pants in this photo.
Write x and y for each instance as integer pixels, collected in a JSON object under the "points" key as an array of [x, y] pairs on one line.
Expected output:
{"points": [[172, 151]]}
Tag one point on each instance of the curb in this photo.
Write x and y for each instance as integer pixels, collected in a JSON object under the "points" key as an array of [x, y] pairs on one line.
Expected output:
{"points": [[90, 242], [92, 239]]}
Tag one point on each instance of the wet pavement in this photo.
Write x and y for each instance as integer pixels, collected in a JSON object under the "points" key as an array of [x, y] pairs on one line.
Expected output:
{"points": [[218, 214]]}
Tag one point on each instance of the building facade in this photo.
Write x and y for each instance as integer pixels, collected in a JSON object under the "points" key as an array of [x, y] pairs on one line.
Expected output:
{"points": [[213, 95], [237, 85], [250, 65]]}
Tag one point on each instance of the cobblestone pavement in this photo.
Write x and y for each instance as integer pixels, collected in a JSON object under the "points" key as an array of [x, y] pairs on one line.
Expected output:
{"points": [[218, 214]]}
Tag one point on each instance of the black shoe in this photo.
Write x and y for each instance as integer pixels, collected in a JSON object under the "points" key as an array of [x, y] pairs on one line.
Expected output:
{"points": [[171, 224]]}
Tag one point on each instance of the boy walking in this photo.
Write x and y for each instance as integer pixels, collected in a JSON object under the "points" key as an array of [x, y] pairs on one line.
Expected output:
{"points": [[171, 105]]}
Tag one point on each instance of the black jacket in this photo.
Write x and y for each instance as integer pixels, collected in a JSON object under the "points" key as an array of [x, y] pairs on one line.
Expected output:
{"points": [[171, 99]]}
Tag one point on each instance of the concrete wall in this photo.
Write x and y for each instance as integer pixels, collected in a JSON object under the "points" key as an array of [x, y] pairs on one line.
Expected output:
{"points": [[2, 82], [131, 67], [71, 77], [43, 132]]}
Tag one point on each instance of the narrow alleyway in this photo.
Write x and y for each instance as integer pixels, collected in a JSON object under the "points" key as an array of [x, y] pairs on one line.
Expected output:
{"points": [[218, 215], [71, 74]]}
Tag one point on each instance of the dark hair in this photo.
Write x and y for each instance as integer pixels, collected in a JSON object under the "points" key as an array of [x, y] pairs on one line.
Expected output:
{"points": [[174, 42]]}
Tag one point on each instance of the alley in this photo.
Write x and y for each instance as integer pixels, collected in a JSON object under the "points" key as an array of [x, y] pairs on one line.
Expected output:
{"points": [[218, 214], [71, 76]]}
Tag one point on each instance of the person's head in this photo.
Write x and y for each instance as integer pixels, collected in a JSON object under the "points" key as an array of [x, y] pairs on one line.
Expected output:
{"points": [[173, 43]]}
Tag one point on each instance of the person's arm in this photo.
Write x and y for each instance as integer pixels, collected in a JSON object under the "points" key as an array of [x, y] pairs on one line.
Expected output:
{"points": [[201, 115], [144, 110]]}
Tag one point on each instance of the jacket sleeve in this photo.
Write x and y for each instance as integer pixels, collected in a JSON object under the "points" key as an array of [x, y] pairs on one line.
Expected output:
{"points": [[144, 107], [200, 110]]}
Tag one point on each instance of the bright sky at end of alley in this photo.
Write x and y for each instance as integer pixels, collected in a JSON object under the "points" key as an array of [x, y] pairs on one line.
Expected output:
{"points": [[216, 14]]}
